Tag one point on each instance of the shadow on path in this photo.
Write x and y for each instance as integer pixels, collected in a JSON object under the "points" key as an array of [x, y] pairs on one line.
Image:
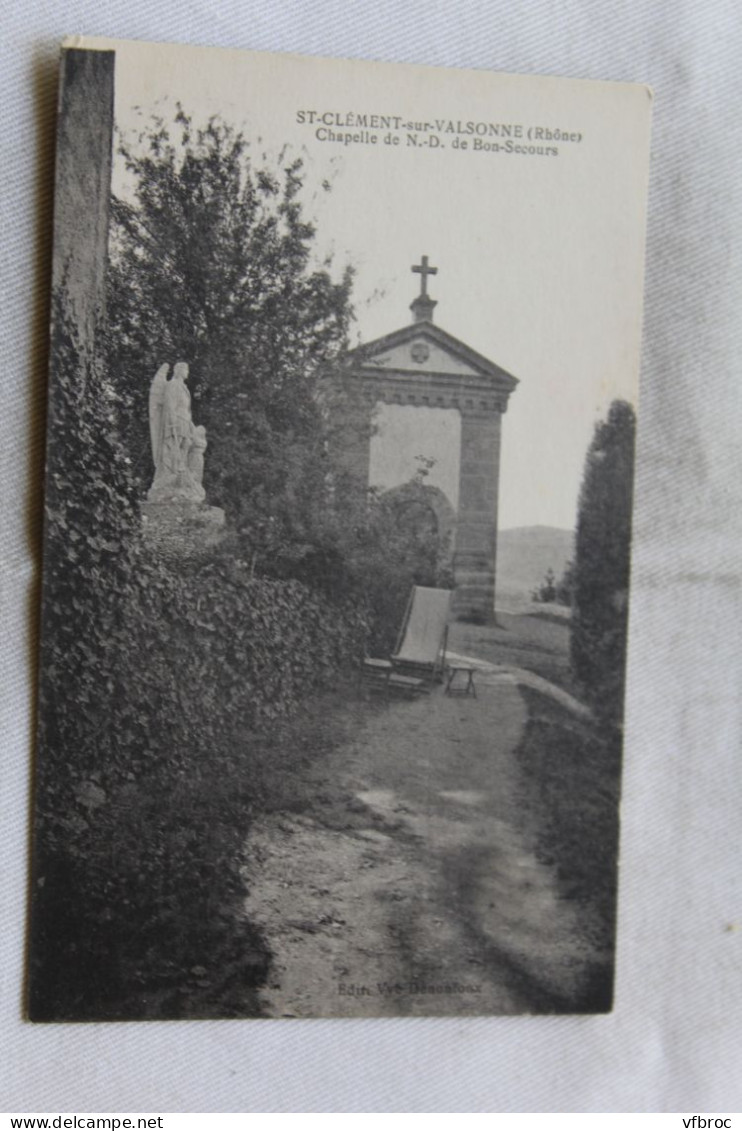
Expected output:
{"points": [[431, 899]]}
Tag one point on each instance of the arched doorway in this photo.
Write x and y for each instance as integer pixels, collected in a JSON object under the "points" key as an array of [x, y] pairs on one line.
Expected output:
{"points": [[426, 516]]}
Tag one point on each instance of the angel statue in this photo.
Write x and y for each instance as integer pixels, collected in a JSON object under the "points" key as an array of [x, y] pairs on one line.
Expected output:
{"points": [[177, 446]]}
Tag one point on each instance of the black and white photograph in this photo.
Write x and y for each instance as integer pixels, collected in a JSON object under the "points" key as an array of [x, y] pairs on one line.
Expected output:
{"points": [[337, 548]]}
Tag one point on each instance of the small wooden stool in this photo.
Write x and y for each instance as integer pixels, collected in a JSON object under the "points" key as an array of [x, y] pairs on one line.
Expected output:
{"points": [[468, 688]]}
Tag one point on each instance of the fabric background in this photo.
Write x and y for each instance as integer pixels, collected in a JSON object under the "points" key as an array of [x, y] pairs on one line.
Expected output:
{"points": [[673, 1042]]}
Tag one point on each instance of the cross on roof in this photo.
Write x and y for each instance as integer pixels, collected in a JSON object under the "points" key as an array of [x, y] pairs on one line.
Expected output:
{"points": [[423, 271]]}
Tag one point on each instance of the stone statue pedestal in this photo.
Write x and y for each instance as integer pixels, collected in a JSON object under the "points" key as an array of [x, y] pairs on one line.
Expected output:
{"points": [[176, 489], [182, 530]]}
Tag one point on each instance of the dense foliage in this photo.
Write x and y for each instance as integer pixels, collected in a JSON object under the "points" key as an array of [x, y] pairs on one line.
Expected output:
{"points": [[148, 771], [212, 263], [553, 591], [573, 775], [395, 551], [602, 562], [160, 684], [140, 855]]}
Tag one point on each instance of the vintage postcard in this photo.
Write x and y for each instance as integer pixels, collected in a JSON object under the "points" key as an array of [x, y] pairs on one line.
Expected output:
{"points": [[342, 406]]}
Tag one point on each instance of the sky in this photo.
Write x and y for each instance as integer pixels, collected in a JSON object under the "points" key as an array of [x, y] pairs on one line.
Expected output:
{"points": [[539, 255]]}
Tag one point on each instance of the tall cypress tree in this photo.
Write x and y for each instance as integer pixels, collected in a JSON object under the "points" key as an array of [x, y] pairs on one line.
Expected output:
{"points": [[602, 563]]}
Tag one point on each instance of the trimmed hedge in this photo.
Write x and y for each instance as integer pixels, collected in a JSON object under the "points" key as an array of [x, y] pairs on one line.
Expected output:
{"points": [[142, 821]]}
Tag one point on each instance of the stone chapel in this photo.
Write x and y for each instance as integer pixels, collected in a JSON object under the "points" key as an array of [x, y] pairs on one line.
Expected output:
{"points": [[430, 396]]}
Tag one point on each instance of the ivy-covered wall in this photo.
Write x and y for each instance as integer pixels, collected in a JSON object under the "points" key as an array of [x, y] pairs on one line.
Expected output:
{"points": [[156, 685], [148, 782]]}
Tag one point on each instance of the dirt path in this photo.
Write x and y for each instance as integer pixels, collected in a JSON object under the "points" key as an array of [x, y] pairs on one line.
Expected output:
{"points": [[408, 886], [526, 679]]}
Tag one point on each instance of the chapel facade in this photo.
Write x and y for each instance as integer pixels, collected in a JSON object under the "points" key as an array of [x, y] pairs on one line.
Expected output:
{"points": [[423, 366]]}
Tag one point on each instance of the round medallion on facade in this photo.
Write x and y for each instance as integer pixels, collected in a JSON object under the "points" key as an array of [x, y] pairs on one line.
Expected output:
{"points": [[420, 352]]}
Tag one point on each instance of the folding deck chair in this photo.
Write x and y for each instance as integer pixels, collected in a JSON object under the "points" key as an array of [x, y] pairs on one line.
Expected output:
{"points": [[420, 654], [421, 645]]}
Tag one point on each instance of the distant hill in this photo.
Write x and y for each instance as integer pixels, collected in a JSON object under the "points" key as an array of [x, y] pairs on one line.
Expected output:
{"points": [[524, 554]]}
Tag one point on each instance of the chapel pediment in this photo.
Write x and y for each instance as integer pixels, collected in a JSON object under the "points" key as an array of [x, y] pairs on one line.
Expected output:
{"points": [[423, 351], [418, 353], [424, 348]]}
